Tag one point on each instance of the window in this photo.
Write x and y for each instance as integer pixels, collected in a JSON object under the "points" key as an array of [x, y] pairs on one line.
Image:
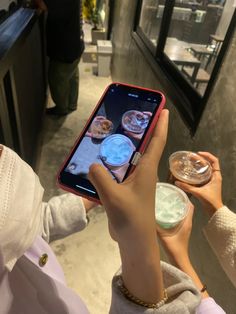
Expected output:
{"points": [[188, 40], [150, 20]]}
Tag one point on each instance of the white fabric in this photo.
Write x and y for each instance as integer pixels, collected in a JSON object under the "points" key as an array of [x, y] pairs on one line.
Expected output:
{"points": [[209, 306], [30, 288], [62, 216], [20, 207], [221, 235], [184, 297]]}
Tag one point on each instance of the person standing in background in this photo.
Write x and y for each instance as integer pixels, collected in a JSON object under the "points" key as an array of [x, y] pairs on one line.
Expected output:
{"points": [[65, 45]]}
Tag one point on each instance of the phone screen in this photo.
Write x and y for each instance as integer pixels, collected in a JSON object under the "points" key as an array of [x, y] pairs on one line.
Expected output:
{"points": [[112, 136]]}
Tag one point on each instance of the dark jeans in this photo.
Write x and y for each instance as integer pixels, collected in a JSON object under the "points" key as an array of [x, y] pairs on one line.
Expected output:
{"points": [[63, 81]]}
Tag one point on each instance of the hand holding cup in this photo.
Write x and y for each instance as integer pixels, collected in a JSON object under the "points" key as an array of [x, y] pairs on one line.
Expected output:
{"points": [[210, 194]]}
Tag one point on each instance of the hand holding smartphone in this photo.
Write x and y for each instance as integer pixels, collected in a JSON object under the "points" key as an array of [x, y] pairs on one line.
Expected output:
{"points": [[115, 136]]}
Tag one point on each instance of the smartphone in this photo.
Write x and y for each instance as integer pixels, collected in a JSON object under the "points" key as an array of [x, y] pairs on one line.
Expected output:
{"points": [[115, 136]]}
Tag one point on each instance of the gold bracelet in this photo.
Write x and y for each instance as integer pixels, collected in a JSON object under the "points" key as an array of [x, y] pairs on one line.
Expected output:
{"points": [[136, 300]]}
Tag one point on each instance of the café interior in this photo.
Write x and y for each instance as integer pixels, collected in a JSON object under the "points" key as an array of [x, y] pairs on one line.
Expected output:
{"points": [[184, 48]]}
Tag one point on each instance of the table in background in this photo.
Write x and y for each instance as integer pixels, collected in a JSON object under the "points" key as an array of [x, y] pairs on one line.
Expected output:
{"points": [[178, 53]]}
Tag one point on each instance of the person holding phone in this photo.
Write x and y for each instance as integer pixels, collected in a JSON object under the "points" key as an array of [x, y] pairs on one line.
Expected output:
{"points": [[221, 228], [65, 45], [31, 280], [115, 136], [132, 224]]}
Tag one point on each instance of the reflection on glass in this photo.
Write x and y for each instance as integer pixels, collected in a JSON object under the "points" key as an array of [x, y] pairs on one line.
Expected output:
{"points": [[150, 20], [195, 37]]}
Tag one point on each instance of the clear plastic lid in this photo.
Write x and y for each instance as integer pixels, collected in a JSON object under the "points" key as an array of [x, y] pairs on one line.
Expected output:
{"points": [[190, 167], [135, 121], [116, 150]]}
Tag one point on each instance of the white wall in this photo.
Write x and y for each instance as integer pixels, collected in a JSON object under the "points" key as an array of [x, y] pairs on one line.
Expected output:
{"points": [[225, 17], [4, 4]]}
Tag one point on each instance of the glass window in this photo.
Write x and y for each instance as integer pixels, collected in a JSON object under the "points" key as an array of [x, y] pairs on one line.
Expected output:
{"points": [[196, 33], [185, 42], [150, 19]]}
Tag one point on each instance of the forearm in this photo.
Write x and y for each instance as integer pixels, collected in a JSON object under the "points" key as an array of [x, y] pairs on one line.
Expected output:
{"points": [[211, 207], [186, 266], [181, 261], [141, 270], [88, 205]]}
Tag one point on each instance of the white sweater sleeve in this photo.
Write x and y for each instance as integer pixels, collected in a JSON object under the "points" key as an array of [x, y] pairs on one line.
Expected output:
{"points": [[62, 216], [209, 306], [221, 235], [183, 295]]}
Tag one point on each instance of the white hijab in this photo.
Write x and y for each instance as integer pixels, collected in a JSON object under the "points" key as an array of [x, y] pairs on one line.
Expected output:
{"points": [[20, 207]]}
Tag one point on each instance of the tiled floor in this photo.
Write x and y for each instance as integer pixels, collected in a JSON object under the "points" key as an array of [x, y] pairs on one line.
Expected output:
{"points": [[89, 258]]}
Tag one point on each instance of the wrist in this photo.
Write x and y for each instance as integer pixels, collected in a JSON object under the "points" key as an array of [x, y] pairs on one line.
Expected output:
{"points": [[141, 271], [186, 266], [211, 209], [88, 205]]}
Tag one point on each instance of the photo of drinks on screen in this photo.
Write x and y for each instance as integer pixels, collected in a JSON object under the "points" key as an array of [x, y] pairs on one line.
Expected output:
{"points": [[113, 134]]}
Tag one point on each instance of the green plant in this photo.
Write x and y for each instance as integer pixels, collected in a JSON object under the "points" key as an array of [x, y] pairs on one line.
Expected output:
{"points": [[95, 19], [89, 5], [92, 12]]}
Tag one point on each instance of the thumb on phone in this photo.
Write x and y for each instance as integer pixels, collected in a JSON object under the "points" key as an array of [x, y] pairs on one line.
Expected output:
{"points": [[102, 181]]}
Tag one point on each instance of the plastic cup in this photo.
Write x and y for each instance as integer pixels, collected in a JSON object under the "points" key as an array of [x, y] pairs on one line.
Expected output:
{"points": [[135, 121], [101, 127], [171, 205], [116, 151], [190, 168]]}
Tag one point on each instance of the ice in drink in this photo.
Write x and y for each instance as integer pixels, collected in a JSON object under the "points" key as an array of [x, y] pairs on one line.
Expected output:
{"points": [[171, 205], [116, 151]]}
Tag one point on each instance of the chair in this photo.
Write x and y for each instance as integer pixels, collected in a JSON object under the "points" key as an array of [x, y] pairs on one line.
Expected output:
{"points": [[203, 53], [202, 75]]}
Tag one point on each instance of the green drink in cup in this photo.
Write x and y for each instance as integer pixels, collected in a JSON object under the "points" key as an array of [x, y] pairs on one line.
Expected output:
{"points": [[171, 205]]}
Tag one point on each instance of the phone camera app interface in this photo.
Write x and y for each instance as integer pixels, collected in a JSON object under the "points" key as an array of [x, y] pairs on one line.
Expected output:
{"points": [[115, 132]]}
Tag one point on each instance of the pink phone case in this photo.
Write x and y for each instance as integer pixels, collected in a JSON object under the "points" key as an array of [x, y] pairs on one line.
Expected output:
{"points": [[140, 151]]}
